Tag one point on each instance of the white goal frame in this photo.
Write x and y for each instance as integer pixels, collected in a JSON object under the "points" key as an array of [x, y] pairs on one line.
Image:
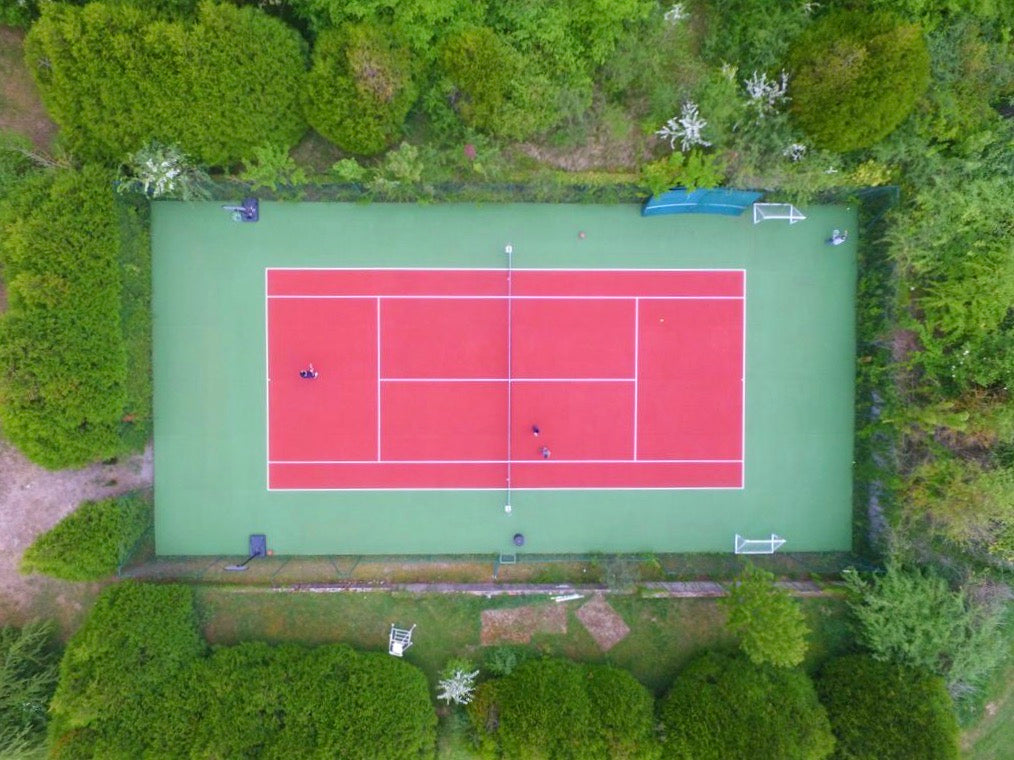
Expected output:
{"points": [[758, 545], [764, 211]]}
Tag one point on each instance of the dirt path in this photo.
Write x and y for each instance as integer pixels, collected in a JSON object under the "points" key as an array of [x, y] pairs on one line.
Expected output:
{"points": [[32, 500]]}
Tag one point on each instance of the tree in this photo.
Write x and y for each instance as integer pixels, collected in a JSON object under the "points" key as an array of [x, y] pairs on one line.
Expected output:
{"points": [[767, 619], [360, 87], [855, 76], [913, 618], [726, 708], [457, 682], [115, 78], [883, 711]]}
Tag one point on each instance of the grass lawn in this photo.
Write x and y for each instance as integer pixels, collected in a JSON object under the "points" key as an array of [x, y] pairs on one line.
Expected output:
{"points": [[992, 735], [664, 633]]}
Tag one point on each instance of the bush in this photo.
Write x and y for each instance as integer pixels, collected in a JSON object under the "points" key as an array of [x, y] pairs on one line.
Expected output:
{"points": [[115, 79], [29, 665], [62, 362], [751, 34], [882, 711], [485, 79], [913, 618], [768, 621], [116, 666], [855, 76], [726, 708], [91, 542], [359, 89], [557, 708], [134, 683]]}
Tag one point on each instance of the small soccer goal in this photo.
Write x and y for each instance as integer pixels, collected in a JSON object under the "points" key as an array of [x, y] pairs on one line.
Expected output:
{"points": [[763, 212], [758, 545]]}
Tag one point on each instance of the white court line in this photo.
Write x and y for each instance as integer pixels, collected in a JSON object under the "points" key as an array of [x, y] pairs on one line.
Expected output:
{"points": [[512, 379], [523, 488], [541, 462], [446, 297], [378, 379], [742, 408], [637, 330], [492, 269], [267, 388]]}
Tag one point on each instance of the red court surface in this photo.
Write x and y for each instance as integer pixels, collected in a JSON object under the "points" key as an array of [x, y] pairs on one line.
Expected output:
{"points": [[435, 378]]}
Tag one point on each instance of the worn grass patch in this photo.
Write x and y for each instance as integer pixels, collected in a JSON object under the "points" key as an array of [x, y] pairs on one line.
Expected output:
{"points": [[20, 108]]}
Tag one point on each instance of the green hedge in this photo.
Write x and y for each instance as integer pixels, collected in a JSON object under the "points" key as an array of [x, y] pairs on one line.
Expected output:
{"points": [[883, 711], [62, 360], [360, 87], [29, 667], [136, 681], [114, 79], [561, 709], [726, 708], [855, 76], [91, 542]]}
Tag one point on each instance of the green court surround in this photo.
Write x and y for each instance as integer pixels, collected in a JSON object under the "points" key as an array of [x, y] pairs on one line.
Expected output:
{"points": [[209, 365]]}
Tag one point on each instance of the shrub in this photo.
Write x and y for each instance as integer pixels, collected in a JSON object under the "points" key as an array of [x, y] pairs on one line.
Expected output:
{"points": [[726, 708], [767, 619], [751, 34], [360, 88], [558, 708], [913, 618], [115, 79], [62, 362], [91, 542], [29, 665], [116, 666], [486, 81], [855, 77], [882, 711]]}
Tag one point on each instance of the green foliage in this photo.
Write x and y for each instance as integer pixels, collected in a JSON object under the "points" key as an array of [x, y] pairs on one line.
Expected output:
{"points": [[560, 709], [62, 362], [653, 68], [272, 168], [883, 711], [360, 87], [965, 504], [134, 683], [751, 34], [29, 666], [726, 708], [972, 67], [485, 81], [18, 12], [136, 638], [16, 161], [768, 621], [952, 243], [92, 541], [913, 618], [502, 660], [114, 79], [163, 171], [691, 171], [855, 76]]}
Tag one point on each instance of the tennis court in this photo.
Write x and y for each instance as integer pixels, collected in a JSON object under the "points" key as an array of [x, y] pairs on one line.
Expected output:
{"points": [[690, 379], [505, 379]]}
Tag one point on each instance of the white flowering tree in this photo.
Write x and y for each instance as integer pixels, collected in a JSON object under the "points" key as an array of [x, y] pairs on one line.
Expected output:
{"points": [[766, 94], [686, 128], [676, 14], [164, 171], [458, 684]]}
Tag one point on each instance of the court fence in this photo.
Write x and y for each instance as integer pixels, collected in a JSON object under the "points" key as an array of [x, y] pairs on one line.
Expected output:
{"points": [[875, 444], [459, 572]]}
